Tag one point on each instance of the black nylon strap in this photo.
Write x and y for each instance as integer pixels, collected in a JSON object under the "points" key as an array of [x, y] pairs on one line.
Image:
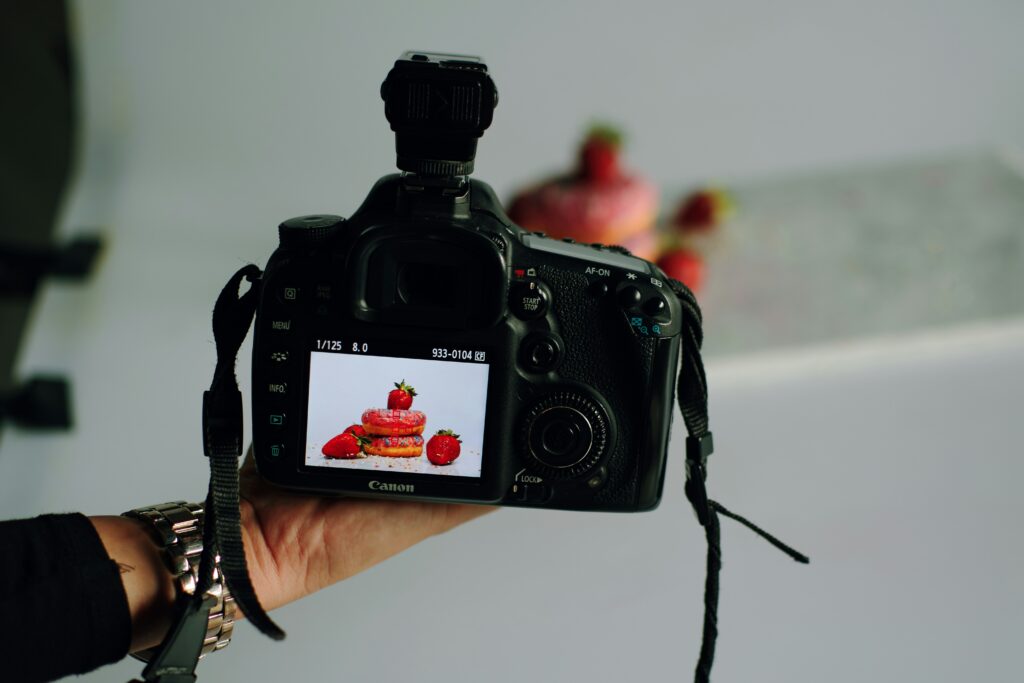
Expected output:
{"points": [[692, 394], [178, 656], [176, 660], [222, 443], [712, 532]]}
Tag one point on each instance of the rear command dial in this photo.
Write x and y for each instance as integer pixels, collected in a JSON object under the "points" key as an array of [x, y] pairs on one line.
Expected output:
{"points": [[565, 435]]}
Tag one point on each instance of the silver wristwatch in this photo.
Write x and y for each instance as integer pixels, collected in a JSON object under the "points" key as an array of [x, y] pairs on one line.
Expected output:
{"points": [[178, 529]]}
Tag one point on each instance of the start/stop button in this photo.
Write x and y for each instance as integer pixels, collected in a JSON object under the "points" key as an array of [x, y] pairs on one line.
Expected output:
{"points": [[529, 300]]}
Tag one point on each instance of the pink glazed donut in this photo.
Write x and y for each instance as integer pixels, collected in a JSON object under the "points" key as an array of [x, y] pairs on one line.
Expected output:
{"points": [[387, 422]]}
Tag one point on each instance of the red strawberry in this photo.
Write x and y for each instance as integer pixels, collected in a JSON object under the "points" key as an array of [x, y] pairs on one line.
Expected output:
{"points": [[443, 448], [703, 209], [400, 397], [346, 446], [599, 155], [355, 429], [683, 265]]}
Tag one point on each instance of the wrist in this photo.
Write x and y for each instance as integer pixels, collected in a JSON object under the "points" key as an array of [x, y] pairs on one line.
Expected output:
{"points": [[177, 529], [148, 585]]}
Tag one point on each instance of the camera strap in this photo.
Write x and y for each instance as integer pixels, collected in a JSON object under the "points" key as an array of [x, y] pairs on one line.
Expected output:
{"points": [[178, 655], [222, 444], [692, 394], [232, 314]]}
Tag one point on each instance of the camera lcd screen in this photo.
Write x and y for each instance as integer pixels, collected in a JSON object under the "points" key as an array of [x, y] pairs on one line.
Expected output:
{"points": [[432, 424]]}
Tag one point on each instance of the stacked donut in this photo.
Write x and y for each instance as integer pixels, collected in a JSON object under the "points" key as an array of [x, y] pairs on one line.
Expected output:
{"points": [[598, 202], [394, 432]]}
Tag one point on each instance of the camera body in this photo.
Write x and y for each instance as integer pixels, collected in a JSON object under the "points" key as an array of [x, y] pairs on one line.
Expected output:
{"points": [[554, 361]]}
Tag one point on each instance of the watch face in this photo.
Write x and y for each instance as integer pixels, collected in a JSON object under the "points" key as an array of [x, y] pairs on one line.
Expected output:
{"points": [[396, 408]]}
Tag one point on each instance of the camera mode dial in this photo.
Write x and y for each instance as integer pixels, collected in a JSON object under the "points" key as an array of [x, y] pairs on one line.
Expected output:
{"points": [[564, 435], [307, 231]]}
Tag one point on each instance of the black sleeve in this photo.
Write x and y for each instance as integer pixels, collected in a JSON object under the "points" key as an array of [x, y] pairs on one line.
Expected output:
{"points": [[63, 608]]}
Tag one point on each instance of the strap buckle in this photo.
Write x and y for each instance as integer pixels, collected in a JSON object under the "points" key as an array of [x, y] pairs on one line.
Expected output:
{"points": [[698, 448], [178, 655], [222, 422]]}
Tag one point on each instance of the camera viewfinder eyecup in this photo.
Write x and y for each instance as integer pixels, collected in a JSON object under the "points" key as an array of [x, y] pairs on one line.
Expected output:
{"points": [[438, 105]]}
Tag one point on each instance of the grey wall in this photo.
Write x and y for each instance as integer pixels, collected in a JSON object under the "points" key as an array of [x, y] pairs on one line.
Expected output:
{"points": [[206, 125], [272, 108]]}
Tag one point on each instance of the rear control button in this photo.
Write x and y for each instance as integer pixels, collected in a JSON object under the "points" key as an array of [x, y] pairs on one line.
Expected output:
{"points": [[543, 353], [540, 353], [598, 478], [599, 288], [655, 306], [529, 300], [629, 296]]}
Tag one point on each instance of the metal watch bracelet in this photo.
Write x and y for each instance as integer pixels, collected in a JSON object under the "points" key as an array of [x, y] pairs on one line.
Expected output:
{"points": [[177, 529]]}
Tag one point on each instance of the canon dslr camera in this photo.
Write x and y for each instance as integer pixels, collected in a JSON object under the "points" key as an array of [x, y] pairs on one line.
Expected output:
{"points": [[429, 348]]}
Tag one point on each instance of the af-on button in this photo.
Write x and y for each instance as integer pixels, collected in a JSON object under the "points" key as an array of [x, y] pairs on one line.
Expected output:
{"points": [[529, 300]]}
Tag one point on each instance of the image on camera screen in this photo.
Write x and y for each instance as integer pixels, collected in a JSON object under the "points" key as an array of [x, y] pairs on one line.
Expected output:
{"points": [[395, 413]]}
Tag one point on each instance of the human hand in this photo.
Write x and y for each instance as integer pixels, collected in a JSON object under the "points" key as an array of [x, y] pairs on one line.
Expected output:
{"points": [[296, 544]]}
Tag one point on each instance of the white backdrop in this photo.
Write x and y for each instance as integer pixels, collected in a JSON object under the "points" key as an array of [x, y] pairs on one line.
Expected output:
{"points": [[897, 470]]}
